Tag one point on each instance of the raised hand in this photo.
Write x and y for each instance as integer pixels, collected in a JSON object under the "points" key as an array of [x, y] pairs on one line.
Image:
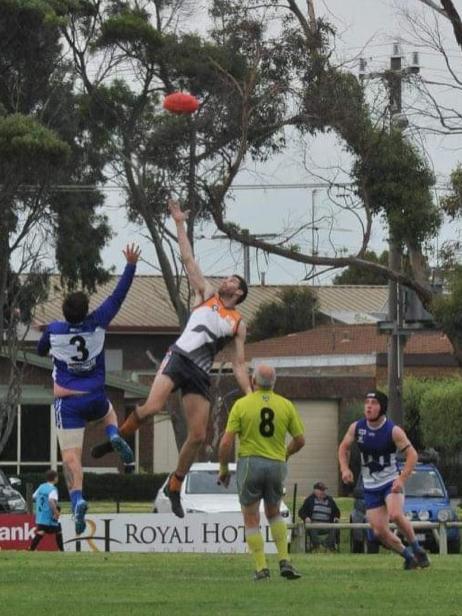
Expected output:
{"points": [[132, 253], [176, 212]]}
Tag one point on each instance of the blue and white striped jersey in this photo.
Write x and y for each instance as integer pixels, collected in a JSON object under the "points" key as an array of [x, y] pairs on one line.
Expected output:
{"points": [[378, 454], [78, 349]]}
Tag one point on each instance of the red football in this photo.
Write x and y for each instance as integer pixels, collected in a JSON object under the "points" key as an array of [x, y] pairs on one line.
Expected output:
{"points": [[181, 102]]}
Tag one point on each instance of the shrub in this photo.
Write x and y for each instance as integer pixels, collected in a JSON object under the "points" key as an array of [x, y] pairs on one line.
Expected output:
{"points": [[441, 416]]}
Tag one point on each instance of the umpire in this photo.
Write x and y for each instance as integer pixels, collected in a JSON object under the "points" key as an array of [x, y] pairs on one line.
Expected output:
{"points": [[262, 419]]}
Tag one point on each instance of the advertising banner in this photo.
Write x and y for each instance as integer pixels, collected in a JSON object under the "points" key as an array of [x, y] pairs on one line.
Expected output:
{"points": [[221, 532], [17, 532]]}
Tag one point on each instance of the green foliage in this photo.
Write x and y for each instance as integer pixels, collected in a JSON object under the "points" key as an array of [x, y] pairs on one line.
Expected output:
{"points": [[452, 203], [81, 235], [398, 182], [295, 310], [447, 308], [441, 417], [106, 486], [356, 275], [130, 28], [334, 100], [44, 139], [413, 391], [27, 149], [23, 294], [29, 44]]}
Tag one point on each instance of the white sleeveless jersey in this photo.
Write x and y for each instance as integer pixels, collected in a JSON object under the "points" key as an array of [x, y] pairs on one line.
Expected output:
{"points": [[209, 328]]}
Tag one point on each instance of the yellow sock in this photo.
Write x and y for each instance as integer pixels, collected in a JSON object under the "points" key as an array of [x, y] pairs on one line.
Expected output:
{"points": [[256, 545], [279, 533]]}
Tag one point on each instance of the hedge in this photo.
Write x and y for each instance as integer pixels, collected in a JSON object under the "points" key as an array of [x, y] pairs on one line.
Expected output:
{"points": [[106, 486], [441, 417]]}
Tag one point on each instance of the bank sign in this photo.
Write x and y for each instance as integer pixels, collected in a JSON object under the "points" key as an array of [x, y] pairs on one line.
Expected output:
{"points": [[161, 533]]}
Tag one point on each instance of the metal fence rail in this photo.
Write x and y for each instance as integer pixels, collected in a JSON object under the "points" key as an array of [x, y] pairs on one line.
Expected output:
{"points": [[439, 531]]}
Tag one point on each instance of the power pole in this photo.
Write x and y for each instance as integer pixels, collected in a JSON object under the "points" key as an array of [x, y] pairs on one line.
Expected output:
{"points": [[397, 340]]}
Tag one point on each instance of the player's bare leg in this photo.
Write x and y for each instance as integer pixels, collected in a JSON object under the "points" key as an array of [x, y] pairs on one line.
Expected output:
{"points": [[379, 520], [394, 503], [196, 410], [161, 388]]}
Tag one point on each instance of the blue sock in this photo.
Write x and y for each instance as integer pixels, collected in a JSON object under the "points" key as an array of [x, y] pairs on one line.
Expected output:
{"points": [[76, 496], [415, 546], [111, 431], [407, 554]]}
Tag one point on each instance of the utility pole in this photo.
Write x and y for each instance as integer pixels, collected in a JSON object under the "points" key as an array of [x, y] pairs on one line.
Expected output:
{"points": [[397, 340]]}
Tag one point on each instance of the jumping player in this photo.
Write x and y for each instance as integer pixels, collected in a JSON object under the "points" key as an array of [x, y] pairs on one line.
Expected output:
{"points": [[378, 439], [213, 323], [77, 348]]}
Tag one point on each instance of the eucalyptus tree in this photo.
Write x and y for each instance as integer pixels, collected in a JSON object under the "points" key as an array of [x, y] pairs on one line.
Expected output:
{"points": [[42, 144]]}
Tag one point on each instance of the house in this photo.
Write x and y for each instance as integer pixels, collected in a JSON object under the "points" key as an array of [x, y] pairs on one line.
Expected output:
{"points": [[137, 340]]}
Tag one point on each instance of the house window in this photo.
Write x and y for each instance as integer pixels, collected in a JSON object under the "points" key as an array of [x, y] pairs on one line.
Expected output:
{"points": [[28, 448], [10, 451], [35, 433]]}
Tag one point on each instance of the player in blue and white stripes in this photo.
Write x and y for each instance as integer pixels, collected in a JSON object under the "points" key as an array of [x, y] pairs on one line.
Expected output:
{"points": [[77, 348], [379, 440]]}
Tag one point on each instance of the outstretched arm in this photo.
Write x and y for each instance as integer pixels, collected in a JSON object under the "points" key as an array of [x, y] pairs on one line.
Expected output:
{"points": [[111, 306], [238, 360], [344, 454], [199, 283]]}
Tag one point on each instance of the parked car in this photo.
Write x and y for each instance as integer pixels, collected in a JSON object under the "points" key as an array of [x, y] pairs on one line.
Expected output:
{"points": [[426, 499], [11, 500], [200, 492]]}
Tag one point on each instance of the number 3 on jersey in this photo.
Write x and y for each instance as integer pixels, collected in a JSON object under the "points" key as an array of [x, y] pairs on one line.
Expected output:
{"points": [[79, 342], [266, 423]]}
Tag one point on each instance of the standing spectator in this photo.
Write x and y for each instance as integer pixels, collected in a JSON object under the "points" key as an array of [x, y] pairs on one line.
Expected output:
{"points": [[320, 507], [47, 512]]}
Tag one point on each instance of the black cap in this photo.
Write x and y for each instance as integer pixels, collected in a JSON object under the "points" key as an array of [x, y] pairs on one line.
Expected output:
{"points": [[319, 485], [381, 398]]}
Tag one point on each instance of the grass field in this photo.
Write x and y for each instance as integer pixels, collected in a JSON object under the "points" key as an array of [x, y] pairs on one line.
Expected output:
{"points": [[345, 505], [39, 583]]}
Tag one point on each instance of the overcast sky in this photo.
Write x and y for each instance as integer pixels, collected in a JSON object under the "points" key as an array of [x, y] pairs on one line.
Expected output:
{"points": [[369, 24]]}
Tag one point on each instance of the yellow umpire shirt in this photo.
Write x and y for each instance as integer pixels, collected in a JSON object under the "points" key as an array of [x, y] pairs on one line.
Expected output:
{"points": [[262, 420]]}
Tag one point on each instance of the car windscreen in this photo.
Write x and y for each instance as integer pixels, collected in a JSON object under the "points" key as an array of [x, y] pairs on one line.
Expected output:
{"points": [[3, 480], [205, 482], [424, 484]]}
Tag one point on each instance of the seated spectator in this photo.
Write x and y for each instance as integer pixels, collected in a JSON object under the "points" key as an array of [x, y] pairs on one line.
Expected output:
{"points": [[319, 507]]}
